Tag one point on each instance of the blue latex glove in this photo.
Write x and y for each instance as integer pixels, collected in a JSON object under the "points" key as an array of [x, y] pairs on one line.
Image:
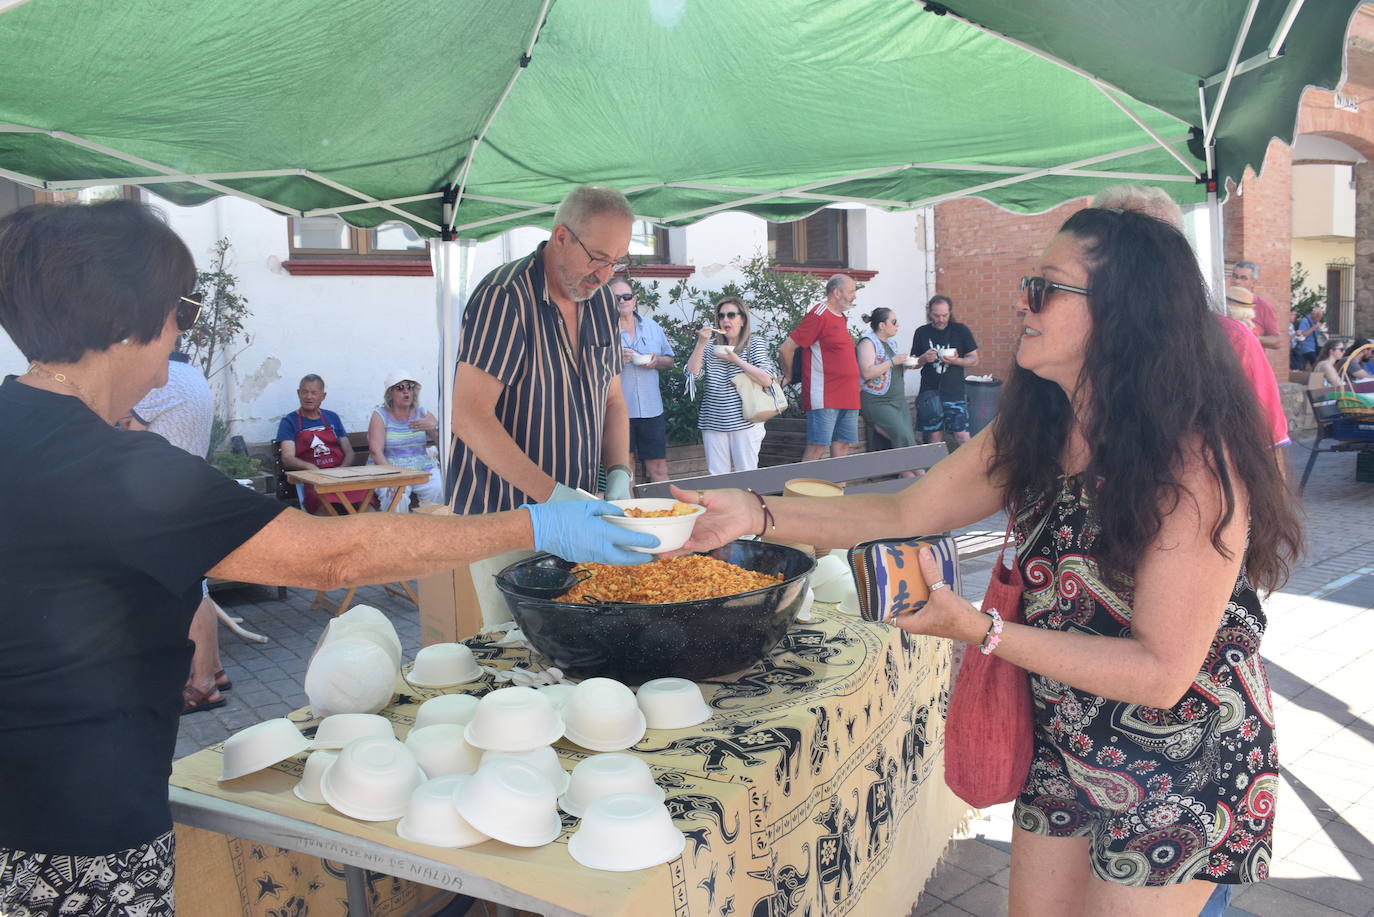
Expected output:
{"points": [[562, 492], [573, 530], [618, 483]]}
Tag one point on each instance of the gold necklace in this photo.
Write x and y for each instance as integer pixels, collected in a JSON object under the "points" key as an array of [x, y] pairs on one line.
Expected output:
{"points": [[62, 379]]}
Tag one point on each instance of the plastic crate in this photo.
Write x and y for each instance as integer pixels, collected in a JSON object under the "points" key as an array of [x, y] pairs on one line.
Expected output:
{"points": [[1353, 430]]}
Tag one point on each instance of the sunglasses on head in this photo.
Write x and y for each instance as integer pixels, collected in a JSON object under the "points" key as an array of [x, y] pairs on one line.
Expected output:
{"points": [[727, 315], [406, 386], [188, 310], [1035, 288], [624, 297]]}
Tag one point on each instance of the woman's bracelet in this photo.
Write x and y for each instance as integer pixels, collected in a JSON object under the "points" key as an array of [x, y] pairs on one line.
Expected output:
{"points": [[994, 634], [768, 521]]}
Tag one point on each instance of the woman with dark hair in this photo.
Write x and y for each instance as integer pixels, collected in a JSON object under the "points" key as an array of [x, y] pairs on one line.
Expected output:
{"points": [[1326, 373], [104, 540], [721, 353], [1144, 529], [882, 395]]}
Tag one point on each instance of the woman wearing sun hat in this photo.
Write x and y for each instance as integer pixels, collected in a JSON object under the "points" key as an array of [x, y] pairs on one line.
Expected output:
{"points": [[398, 434]]}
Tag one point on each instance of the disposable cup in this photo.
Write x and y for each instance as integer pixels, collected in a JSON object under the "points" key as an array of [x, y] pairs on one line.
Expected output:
{"points": [[672, 703], [338, 730], [606, 775], [349, 675], [624, 832], [447, 708], [431, 817], [514, 719], [443, 665], [372, 780], [308, 787], [441, 750], [601, 714], [511, 802], [261, 745], [545, 760]]}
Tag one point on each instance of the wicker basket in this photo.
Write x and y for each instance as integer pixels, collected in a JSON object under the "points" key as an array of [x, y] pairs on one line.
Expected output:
{"points": [[1350, 403]]}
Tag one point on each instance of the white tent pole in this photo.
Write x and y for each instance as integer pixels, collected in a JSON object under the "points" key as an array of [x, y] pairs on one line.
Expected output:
{"points": [[1231, 62], [1111, 97], [1285, 23], [1218, 248]]}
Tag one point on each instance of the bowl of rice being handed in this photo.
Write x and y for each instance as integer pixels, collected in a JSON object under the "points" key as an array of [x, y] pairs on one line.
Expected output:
{"points": [[670, 520], [694, 617]]}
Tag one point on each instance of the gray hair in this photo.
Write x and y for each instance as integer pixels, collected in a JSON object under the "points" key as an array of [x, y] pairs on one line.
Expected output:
{"points": [[834, 283], [308, 378], [1254, 268], [587, 201], [1147, 199]]}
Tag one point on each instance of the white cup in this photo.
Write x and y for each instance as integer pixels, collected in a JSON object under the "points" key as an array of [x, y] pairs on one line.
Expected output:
{"points": [[601, 714], [446, 708], [338, 730], [511, 802], [514, 719], [431, 817], [350, 675], [441, 750], [261, 745], [605, 775], [672, 703], [624, 832], [308, 787], [545, 760], [372, 780], [443, 665]]}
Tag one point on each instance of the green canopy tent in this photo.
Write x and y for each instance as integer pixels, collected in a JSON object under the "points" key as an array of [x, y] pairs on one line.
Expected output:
{"points": [[467, 118]]}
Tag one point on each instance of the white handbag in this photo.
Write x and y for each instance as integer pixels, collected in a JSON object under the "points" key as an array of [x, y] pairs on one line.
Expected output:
{"points": [[759, 402]]}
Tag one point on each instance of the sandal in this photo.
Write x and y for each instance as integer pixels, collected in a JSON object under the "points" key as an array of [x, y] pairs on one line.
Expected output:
{"points": [[222, 682], [193, 701]]}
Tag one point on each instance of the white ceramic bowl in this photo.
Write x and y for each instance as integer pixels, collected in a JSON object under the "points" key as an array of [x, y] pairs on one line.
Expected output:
{"points": [[443, 665], [828, 569], [338, 730], [431, 817], [514, 719], [624, 832], [441, 750], [558, 694], [511, 802], [642, 359], [447, 708], [672, 531], [545, 760], [601, 714], [606, 775], [308, 787], [372, 780], [349, 675], [672, 703], [261, 745], [721, 350]]}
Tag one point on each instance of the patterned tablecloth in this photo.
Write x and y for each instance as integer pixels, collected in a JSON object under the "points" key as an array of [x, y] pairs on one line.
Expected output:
{"points": [[815, 788]]}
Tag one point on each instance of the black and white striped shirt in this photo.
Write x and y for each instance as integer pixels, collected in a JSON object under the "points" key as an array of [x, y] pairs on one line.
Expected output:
{"points": [[720, 405]]}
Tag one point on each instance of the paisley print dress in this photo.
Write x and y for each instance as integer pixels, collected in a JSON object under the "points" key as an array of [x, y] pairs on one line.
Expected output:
{"points": [[1164, 795]]}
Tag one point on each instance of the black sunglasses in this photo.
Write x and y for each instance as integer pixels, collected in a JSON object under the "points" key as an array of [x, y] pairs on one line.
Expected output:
{"points": [[1035, 288], [188, 310], [624, 297], [405, 386], [727, 315]]}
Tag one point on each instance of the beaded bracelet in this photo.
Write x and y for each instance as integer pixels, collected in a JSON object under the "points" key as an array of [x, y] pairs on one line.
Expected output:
{"points": [[768, 521], [994, 634]]}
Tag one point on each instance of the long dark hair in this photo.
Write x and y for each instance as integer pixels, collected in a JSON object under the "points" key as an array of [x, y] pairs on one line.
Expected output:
{"points": [[1158, 375]]}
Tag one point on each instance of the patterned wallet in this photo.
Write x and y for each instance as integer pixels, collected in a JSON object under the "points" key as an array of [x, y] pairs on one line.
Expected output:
{"points": [[888, 576]]}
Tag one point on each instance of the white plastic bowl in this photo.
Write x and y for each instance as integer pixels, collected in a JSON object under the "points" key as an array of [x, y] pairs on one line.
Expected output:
{"points": [[364, 619], [601, 714], [804, 613], [606, 775], [514, 719], [511, 802], [261, 745], [431, 817], [349, 675], [447, 708], [672, 531], [721, 350], [828, 569], [443, 665], [308, 787], [372, 780], [642, 359], [338, 730], [835, 590], [624, 832], [672, 703], [441, 750], [558, 694], [545, 760]]}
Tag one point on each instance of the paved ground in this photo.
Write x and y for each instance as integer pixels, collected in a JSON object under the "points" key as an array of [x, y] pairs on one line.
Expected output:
{"points": [[1319, 648]]}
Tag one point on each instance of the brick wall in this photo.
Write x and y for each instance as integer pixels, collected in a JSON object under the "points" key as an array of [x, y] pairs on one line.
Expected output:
{"points": [[1259, 228]]}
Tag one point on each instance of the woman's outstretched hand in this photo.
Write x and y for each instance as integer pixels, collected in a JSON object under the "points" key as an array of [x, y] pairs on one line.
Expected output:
{"points": [[729, 514]]}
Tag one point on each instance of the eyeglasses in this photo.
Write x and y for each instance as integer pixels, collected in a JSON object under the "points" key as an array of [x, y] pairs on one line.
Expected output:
{"points": [[625, 297], [727, 315], [1035, 288], [598, 263], [406, 386], [188, 310]]}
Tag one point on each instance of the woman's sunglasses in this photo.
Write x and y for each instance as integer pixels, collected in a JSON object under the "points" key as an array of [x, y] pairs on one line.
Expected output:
{"points": [[405, 386], [624, 297], [188, 310], [1035, 288], [727, 315]]}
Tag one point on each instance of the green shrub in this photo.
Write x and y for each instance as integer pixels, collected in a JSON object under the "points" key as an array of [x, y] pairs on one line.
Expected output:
{"points": [[236, 465]]}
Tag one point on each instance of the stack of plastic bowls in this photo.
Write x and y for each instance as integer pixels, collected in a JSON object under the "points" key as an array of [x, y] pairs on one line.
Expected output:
{"points": [[308, 787], [672, 703], [441, 750], [446, 708], [606, 775], [514, 719], [350, 675], [545, 760], [368, 623], [624, 832], [511, 802], [601, 714], [829, 578], [432, 818], [372, 779], [261, 745], [338, 730], [444, 665]]}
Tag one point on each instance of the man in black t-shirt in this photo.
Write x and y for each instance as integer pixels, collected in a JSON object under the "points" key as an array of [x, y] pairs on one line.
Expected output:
{"points": [[944, 348]]}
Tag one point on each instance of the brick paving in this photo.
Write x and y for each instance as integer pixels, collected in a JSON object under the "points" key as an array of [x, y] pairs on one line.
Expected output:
{"points": [[1319, 649]]}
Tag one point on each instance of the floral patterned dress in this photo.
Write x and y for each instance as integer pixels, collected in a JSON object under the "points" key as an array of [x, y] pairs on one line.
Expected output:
{"points": [[1164, 795]]}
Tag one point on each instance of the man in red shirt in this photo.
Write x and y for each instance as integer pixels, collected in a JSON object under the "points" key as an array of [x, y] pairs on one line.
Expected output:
{"points": [[1244, 274], [830, 371]]}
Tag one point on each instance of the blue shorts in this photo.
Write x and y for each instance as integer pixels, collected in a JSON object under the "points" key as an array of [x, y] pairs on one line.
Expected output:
{"points": [[933, 414], [648, 438], [832, 425]]}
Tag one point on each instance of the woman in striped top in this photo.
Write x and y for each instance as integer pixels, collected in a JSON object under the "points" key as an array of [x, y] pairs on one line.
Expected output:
{"points": [[397, 435], [732, 442]]}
